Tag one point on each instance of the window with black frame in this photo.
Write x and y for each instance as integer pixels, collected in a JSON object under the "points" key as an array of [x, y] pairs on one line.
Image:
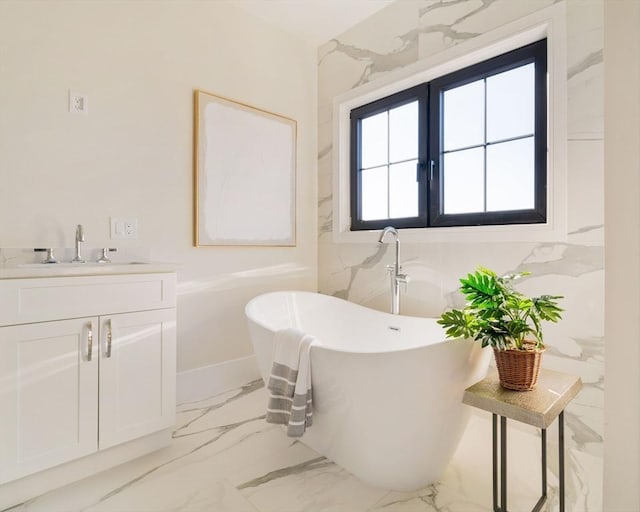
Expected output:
{"points": [[468, 148]]}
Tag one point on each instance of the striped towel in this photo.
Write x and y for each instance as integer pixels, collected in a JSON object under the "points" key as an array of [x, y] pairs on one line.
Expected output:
{"points": [[290, 382]]}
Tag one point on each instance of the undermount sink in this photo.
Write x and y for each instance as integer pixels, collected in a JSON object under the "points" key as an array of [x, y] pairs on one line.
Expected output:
{"points": [[67, 269], [80, 265]]}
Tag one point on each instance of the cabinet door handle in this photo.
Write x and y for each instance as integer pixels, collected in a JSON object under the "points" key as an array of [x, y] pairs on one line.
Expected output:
{"points": [[89, 341], [109, 338]]}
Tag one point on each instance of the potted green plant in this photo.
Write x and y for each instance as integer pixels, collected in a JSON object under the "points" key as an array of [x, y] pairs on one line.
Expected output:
{"points": [[498, 316]]}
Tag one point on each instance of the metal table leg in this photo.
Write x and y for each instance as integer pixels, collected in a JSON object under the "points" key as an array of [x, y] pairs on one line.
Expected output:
{"points": [[494, 445], [543, 448], [561, 458], [503, 464]]}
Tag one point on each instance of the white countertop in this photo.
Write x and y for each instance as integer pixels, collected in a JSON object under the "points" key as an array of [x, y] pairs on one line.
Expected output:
{"points": [[37, 270]]}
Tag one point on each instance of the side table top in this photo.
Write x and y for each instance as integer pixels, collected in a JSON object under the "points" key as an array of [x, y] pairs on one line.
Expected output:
{"points": [[538, 407]]}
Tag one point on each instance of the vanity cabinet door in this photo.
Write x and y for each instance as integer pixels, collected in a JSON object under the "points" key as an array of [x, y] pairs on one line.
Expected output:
{"points": [[48, 388], [137, 375]]}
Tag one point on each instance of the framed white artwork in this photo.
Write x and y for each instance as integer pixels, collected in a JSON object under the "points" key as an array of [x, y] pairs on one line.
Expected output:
{"points": [[245, 174]]}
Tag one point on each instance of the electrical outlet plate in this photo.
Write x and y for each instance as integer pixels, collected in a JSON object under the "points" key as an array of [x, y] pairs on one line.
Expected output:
{"points": [[78, 103], [124, 228]]}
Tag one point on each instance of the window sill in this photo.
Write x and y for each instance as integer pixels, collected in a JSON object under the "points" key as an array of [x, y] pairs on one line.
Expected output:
{"points": [[462, 234]]}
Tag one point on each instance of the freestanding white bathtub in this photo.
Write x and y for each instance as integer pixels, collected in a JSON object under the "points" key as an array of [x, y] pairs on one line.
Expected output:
{"points": [[387, 389]]}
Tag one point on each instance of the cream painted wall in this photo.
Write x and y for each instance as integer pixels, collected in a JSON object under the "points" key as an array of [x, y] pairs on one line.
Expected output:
{"points": [[622, 256], [139, 62]]}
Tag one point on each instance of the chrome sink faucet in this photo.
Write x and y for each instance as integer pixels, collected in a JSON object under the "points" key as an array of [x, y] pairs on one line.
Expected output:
{"points": [[394, 270], [79, 238]]}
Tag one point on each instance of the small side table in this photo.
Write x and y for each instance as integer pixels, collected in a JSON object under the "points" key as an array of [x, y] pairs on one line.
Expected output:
{"points": [[538, 408]]}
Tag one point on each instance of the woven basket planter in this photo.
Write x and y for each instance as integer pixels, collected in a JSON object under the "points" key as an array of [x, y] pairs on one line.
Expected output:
{"points": [[518, 369]]}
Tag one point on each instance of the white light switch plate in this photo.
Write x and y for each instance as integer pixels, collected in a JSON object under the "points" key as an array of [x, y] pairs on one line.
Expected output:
{"points": [[124, 228]]}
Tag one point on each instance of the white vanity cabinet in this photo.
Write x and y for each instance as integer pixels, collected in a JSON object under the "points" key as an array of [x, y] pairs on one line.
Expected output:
{"points": [[86, 363], [137, 375], [48, 396]]}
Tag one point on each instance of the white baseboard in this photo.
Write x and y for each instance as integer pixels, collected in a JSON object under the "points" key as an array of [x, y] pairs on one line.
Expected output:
{"points": [[201, 383]]}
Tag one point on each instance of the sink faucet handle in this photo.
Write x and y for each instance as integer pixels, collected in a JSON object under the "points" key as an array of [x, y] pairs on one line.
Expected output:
{"points": [[104, 258], [50, 257]]}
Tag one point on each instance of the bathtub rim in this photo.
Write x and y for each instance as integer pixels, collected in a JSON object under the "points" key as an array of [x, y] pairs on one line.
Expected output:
{"points": [[319, 345]]}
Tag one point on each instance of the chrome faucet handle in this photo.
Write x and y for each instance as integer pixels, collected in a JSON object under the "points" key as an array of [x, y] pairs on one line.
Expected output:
{"points": [[390, 268], [104, 258], [403, 279], [50, 257]]}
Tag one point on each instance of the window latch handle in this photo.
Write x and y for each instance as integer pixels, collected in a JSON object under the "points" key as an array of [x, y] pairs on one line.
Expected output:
{"points": [[420, 168], [432, 167]]}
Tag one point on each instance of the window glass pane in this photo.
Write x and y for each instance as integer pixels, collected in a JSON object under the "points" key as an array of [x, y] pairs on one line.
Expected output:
{"points": [[464, 116], [464, 181], [403, 190], [510, 175], [510, 103], [403, 132], [374, 194], [374, 140]]}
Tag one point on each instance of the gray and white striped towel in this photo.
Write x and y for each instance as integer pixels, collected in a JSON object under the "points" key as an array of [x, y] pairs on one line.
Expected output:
{"points": [[290, 395]]}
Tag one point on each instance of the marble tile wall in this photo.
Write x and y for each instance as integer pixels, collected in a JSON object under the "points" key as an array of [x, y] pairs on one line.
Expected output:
{"points": [[408, 31]]}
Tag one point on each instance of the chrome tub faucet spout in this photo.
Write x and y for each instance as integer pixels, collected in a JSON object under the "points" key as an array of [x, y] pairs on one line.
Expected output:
{"points": [[394, 270]]}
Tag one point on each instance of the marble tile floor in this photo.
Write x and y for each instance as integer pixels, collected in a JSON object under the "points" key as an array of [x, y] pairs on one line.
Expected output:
{"points": [[225, 458]]}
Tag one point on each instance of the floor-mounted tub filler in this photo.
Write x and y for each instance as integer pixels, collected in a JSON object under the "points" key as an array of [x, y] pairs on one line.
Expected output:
{"points": [[387, 389]]}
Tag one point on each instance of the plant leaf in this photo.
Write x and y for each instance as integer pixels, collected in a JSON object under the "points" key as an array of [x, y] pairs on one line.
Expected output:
{"points": [[496, 314]]}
